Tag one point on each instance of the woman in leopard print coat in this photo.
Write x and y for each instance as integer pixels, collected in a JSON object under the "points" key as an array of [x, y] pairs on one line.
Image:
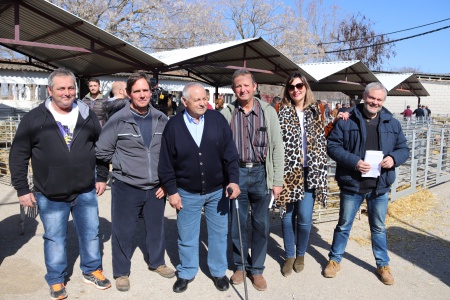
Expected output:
{"points": [[305, 168]]}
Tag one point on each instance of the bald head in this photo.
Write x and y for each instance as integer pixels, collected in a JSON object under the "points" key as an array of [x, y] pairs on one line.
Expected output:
{"points": [[118, 89]]}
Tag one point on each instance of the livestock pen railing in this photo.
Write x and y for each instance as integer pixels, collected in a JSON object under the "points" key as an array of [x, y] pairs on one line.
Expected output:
{"points": [[428, 164]]}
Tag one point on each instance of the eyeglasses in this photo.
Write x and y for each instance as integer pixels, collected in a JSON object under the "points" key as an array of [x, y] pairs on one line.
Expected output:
{"points": [[299, 86]]}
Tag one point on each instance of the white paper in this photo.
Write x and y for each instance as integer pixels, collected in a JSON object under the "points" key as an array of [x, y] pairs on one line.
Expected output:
{"points": [[272, 198], [374, 158]]}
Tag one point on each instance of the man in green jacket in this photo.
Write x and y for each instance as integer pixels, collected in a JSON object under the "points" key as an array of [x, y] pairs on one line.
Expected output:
{"points": [[257, 135]]}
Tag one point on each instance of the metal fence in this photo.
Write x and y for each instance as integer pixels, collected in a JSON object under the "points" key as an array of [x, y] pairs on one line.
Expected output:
{"points": [[428, 164]]}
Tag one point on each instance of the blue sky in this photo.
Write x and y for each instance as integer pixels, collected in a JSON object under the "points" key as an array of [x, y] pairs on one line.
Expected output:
{"points": [[429, 53]]}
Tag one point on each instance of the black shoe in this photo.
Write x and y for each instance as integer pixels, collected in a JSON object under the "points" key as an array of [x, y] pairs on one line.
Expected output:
{"points": [[181, 285], [221, 283]]}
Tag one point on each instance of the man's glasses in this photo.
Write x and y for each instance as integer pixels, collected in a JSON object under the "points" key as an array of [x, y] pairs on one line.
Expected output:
{"points": [[299, 86]]}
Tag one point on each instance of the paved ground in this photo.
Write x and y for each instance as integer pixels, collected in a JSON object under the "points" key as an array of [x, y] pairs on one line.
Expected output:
{"points": [[419, 249]]}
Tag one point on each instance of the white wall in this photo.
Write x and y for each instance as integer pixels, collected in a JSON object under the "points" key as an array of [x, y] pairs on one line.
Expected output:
{"points": [[438, 101]]}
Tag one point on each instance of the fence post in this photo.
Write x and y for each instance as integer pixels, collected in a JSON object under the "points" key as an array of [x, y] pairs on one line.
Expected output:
{"points": [[427, 155]]}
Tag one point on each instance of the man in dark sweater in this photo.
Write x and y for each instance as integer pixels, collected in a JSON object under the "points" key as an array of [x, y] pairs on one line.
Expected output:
{"points": [[197, 165], [369, 127]]}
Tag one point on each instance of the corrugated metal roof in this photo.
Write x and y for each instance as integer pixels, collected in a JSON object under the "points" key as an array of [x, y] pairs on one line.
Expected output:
{"points": [[349, 77], [216, 63], [43, 22], [173, 57], [402, 84]]}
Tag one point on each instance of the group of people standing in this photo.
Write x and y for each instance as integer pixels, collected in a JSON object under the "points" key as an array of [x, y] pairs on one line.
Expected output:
{"points": [[200, 160]]}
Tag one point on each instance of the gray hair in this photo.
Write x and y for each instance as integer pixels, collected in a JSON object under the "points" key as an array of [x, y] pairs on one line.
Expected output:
{"points": [[63, 73], [374, 86], [241, 72], [187, 88]]}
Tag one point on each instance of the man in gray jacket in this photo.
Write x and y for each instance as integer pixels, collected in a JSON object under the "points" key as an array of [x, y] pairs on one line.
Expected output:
{"points": [[131, 140]]}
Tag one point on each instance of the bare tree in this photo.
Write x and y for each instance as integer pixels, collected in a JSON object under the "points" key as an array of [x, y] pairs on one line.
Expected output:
{"points": [[282, 26], [151, 24], [358, 40], [189, 24]]}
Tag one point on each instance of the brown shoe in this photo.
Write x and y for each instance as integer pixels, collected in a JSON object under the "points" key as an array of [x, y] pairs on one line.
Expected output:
{"points": [[258, 281], [123, 283], [385, 275], [164, 271], [237, 278], [299, 264], [287, 267], [331, 269]]}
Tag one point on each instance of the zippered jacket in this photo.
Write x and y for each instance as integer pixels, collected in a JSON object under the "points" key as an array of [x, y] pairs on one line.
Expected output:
{"points": [[346, 144], [122, 144], [59, 173]]}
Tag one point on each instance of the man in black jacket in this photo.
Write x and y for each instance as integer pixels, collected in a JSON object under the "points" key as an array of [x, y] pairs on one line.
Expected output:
{"points": [[59, 136]]}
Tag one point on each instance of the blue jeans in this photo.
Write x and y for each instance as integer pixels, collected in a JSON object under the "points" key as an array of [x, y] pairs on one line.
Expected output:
{"points": [[298, 215], [217, 207], [377, 209], [254, 195], [127, 202], [55, 216]]}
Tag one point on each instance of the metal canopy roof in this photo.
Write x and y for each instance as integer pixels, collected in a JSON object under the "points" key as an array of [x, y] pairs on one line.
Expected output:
{"points": [[402, 84], [348, 77], [216, 63], [49, 34]]}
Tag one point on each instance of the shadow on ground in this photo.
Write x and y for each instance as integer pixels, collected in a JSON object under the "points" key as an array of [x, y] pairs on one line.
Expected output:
{"points": [[11, 239], [425, 251]]}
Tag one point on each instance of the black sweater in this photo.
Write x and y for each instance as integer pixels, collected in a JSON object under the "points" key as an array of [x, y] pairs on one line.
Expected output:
{"points": [[58, 172], [204, 169]]}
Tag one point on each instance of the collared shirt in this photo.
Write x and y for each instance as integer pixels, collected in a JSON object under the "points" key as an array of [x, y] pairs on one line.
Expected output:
{"points": [[250, 133], [195, 129]]}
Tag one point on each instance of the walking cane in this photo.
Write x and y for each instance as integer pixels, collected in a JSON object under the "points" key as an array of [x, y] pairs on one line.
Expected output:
{"points": [[230, 191]]}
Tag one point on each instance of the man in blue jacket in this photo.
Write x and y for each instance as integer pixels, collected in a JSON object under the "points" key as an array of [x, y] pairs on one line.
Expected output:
{"points": [[59, 136], [198, 164], [369, 127]]}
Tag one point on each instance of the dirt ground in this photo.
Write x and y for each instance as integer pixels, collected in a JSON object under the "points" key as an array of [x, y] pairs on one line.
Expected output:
{"points": [[419, 248]]}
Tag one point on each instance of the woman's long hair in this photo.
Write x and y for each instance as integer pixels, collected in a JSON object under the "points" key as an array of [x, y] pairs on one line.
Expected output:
{"points": [[309, 97]]}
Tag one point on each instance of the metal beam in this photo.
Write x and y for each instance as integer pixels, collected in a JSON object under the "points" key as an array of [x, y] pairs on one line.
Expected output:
{"points": [[57, 31], [42, 45], [58, 22]]}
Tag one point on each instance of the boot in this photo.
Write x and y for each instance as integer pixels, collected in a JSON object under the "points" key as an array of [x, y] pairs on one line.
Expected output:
{"points": [[287, 268], [299, 264]]}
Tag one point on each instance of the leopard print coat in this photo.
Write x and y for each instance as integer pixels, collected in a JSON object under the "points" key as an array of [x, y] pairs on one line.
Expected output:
{"points": [[293, 181]]}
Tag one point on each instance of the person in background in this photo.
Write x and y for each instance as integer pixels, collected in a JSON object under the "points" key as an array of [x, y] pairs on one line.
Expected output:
{"points": [[94, 99], [117, 101], [418, 112], [407, 113], [208, 96], [219, 103], [198, 163], [336, 109], [305, 169], [425, 113], [370, 127], [59, 137], [257, 135], [131, 140]]}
